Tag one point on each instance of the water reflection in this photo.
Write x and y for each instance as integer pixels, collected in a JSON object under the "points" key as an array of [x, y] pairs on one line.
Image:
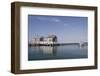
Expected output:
{"points": [[50, 50], [57, 52]]}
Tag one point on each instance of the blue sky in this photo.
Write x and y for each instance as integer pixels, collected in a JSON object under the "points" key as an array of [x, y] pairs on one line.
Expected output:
{"points": [[66, 28]]}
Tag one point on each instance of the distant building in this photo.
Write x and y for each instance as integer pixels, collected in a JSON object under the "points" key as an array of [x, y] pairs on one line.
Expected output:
{"points": [[51, 39]]}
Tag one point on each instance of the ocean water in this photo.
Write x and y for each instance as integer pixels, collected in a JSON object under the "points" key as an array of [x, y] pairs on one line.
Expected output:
{"points": [[57, 52]]}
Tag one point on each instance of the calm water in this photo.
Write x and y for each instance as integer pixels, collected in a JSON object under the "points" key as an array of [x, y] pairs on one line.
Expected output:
{"points": [[57, 52]]}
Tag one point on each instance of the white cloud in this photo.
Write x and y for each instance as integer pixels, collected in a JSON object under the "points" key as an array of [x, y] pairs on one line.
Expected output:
{"points": [[65, 24], [56, 20], [49, 19], [41, 18]]}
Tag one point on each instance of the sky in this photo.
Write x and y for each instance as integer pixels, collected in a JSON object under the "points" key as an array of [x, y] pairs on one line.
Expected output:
{"points": [[68, 29]]}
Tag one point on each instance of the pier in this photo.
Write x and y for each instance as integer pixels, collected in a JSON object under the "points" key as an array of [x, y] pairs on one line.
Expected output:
{"points": [[52, 40], [55, 44]]}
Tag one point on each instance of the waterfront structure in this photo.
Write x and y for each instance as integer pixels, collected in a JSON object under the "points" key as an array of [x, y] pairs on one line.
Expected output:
{"points": [[51, 39]]}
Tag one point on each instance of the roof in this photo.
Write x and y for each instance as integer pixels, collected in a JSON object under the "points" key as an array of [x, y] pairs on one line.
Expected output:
{"points": [[51, 36]]}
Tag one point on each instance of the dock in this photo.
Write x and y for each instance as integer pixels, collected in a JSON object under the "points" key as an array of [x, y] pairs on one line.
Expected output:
{"points": [[56, 44]]}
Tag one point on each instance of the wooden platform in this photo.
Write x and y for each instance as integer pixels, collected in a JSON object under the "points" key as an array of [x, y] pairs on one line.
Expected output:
{"points": [[57, 44]]}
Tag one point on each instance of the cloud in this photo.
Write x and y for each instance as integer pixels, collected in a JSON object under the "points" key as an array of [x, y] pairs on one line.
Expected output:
{"points": [[56, 20], [49, 19], [41, 18], [65, 24]]}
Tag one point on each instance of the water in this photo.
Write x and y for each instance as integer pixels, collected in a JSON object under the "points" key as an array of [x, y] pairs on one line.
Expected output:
{"points": [[57, 52]]}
